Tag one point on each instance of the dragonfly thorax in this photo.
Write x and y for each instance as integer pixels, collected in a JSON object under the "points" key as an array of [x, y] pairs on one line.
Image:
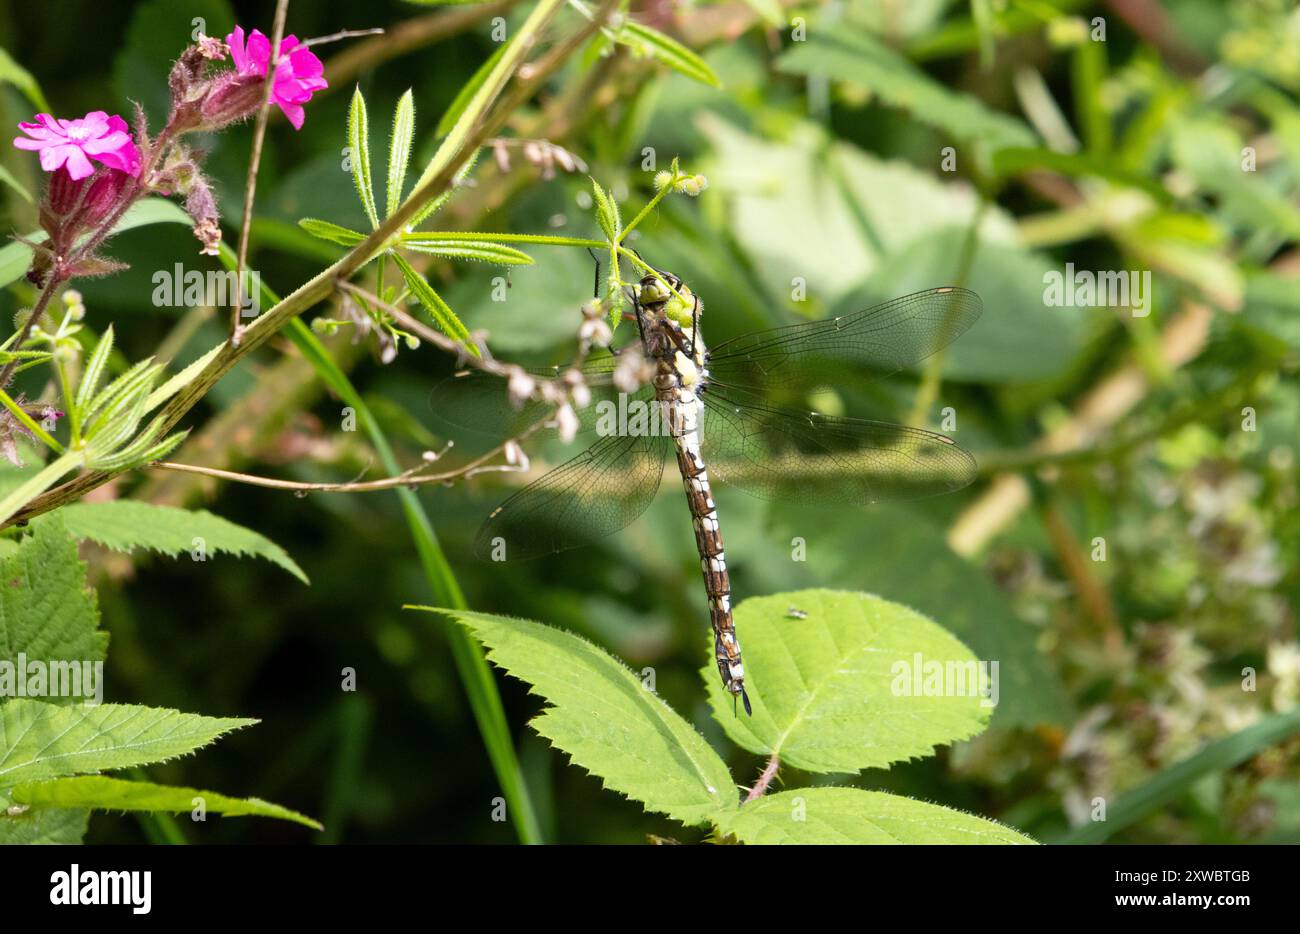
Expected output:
{"points": [[669, 315]]}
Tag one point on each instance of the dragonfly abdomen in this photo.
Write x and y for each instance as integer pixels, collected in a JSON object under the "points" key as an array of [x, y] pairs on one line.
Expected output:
{"points": [[682, 408]]}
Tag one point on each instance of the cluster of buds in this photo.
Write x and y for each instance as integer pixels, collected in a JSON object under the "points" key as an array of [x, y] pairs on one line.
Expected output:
{"points": [[690, 185], [98, 170], [541, 153]]}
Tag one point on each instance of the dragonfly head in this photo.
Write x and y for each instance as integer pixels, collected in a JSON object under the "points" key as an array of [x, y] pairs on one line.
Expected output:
{"points": [[667, 295]]}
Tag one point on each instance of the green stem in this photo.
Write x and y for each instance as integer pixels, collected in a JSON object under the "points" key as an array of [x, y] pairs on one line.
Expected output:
{"points": [[477, 237], [527, 36], [29, 423], [74, 411], [39, 483], [649, 206]]}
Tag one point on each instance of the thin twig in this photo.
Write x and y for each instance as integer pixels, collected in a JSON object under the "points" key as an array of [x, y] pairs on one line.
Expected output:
{"points": [[254, 162], [337, 36]]}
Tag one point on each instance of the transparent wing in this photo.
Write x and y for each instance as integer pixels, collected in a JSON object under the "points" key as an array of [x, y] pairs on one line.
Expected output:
{"points": [[479, 402], [882, 339], [593, 495], [776, 453]]}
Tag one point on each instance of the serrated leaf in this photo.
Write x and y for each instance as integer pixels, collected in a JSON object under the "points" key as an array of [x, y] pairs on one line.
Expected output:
{"points": [[40, 740], [399, 150], [606, 720], [334, 233], [44, 826], [125, 525], [468, 90], [359, 150], [481, 251], [821, 816], [101, 793], [669, 51], [858, 58], [47, 613], [827, 690], [439, 310]]}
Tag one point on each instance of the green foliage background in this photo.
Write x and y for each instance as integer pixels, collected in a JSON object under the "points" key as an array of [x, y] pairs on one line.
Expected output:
{"points": [[825, 162]]}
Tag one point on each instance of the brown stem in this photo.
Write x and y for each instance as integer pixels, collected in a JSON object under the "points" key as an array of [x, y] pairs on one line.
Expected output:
{"points": [[38, 309], [254, 162], [764, 779]]}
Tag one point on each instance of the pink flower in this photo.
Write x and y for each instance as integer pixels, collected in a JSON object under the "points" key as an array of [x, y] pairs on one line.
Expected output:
{"points": [[71, 144], [298, 75]]}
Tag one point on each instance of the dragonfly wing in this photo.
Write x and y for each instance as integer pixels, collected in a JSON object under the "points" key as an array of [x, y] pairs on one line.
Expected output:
{"points": [[776, 453], [883, 339], [593, 495]]}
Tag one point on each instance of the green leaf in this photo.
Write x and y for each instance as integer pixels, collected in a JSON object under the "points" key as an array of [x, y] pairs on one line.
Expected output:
{"points": [[43, 826], [1169, 784], [101, 793], [439, 310], [827, 690], [8, 178], [667, 50], [359, 150], [13, 73], [769, 10], [860, 59], [125, 525], [39, 740], [324, 230], [399, 149], [611, 224], [483, 251], [94, 371], [181, 379], [468, 90], [47, 613], [819, 816], [606, 719]]}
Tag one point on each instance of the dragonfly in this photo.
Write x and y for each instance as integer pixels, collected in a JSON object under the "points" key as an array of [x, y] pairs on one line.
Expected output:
{"points": [[712, 410]]}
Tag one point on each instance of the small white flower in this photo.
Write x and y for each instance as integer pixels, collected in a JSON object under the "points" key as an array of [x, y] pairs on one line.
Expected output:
{"points": [[520, 386], [566, 422], [515, 455]]}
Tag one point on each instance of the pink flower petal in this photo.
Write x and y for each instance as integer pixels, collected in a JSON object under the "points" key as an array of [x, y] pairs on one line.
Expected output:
{"points": [[22, 142], [293, 111]]}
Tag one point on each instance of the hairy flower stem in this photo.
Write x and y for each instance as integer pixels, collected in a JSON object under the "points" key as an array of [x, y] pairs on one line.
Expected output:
{"points": [[254, 163], [764, 779], [42, 302]]}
